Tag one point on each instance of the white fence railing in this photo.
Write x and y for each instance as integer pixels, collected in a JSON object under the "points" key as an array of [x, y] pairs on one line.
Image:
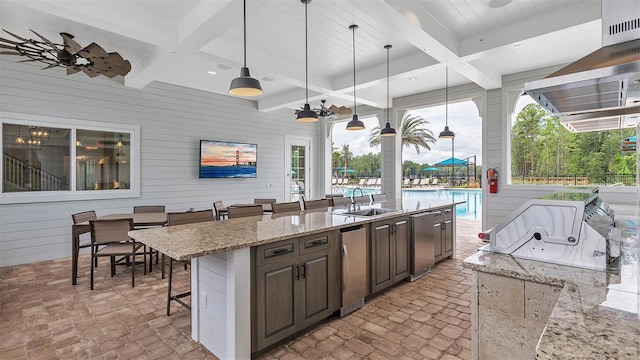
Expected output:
{"points": [[20, 176]]}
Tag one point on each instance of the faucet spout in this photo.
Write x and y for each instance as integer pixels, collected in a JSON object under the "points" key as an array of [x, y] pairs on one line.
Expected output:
{"points": [[355, 203]]}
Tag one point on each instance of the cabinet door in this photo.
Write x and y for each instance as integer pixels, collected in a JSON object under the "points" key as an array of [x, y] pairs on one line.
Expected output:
{"points": [[437, 237], [381, 270], [401, 249], [447, 237], [315, 287], [276, 290]]}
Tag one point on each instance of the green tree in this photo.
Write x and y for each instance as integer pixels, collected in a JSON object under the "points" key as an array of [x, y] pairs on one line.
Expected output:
{"points": [[524, 133], [414, 132]]}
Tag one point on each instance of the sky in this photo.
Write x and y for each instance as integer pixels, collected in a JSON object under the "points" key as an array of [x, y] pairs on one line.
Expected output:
{"points": [[463, 120]]}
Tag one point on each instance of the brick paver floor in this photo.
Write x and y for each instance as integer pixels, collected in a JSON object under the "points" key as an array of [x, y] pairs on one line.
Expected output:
{"points": [[43, 316]]}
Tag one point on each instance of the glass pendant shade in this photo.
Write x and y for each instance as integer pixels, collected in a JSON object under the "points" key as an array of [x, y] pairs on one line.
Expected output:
{"points": [[307, 115], [355, 124], [388, 131], [446, 133], [245, 85]]}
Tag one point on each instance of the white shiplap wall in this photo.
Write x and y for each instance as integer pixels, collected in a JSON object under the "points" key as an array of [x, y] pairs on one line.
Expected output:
{"points": [[172, 120]]}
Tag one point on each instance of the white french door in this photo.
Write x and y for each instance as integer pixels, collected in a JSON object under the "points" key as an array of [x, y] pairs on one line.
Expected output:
{"points": [[297, 164]]}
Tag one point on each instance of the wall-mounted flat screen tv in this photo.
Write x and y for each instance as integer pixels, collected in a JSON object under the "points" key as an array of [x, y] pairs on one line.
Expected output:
{"points": [[224, 159]]}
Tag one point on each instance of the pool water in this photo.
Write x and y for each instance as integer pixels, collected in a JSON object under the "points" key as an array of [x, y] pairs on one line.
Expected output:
{"points": [[471, 209]]}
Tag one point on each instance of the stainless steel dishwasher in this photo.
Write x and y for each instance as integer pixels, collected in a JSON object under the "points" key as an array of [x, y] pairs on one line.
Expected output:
{"points": [[422, 245], [354, 268]]}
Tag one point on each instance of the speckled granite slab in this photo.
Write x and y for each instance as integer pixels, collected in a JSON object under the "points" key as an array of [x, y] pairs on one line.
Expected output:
{"points": [[596, 315], [183, 242]]}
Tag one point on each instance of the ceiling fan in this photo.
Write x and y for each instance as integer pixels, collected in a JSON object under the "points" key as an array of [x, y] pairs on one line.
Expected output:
{"points": [[325, 112], [93, 60]]}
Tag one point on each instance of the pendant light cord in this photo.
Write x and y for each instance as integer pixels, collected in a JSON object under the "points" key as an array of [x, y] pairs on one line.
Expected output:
{"points": [[388, 47], [244, 19], [306, 55], [446, 96], [354, 27]]}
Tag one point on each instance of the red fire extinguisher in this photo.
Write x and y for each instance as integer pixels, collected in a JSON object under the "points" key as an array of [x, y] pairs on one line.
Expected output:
{"points": [[492, 178]]}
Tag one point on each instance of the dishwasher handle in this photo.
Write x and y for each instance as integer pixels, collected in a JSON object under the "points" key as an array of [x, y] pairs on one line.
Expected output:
{"points": [[345, 266]]}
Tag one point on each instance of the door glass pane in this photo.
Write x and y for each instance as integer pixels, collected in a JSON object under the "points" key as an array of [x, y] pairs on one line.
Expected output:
{"points": [[35, 158], [297, 172], [102, 160]]}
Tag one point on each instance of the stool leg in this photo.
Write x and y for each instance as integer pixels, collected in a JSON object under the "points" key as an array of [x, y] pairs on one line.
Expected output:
{"points": [[169, 286]]}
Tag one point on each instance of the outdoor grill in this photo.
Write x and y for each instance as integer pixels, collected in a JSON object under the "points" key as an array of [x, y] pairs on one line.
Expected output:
{"points": [[573, 228]]}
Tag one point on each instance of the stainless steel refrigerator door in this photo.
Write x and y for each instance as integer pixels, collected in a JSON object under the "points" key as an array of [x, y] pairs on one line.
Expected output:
{"points": [[423, 247], [354, 265]]}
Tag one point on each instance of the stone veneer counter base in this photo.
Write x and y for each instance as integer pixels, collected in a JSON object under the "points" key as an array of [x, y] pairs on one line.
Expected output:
{"points": [[595, 315]]}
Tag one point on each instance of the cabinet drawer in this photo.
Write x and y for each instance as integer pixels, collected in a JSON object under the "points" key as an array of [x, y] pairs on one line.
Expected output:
{"points": [[279, 251], [313, 243]]}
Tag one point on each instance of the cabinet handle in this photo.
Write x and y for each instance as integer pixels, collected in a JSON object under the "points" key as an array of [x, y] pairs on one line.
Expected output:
{"points": [[345, 267], [448, 211], [279, 251], [296, 272], [303, 271]]}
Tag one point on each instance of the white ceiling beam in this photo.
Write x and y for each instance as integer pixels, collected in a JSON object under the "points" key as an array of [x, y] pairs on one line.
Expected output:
{"points": [[427, 34], [107, 17], [195, 30], [479, 45]]}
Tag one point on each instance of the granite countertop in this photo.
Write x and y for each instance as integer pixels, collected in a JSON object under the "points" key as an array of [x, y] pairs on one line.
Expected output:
{"points": [[183, 242], [597, 313]]}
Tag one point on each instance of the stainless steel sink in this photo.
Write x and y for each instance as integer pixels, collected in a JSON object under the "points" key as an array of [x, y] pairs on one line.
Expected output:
{"points": [[371, 212]]}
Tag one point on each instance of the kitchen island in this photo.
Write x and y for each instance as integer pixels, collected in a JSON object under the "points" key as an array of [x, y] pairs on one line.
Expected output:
{"points": [[223, 260], [529, 309]]}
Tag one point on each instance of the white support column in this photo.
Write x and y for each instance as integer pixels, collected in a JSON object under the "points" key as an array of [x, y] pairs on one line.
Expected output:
{"points": [[391, 159], [238, 305]]}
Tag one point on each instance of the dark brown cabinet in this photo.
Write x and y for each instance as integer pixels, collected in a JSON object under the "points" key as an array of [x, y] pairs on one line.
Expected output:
{"points": [[293, 286], [389, 252], [443, 233]]}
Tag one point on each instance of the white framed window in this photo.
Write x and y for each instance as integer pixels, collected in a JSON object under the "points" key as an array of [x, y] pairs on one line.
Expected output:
{"points": [[55, 159]]}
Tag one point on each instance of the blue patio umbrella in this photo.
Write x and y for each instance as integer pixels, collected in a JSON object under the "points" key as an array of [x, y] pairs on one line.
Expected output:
{"points": [[452, 161]]}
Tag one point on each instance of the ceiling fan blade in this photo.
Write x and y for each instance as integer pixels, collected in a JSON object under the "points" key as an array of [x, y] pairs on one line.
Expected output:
{"points": [[90, 71], [10, 41], [16, 36], [7, 47], [9, 53], [93, 50], [54, 46], [72, 70], [69, 44], [28, 60]]}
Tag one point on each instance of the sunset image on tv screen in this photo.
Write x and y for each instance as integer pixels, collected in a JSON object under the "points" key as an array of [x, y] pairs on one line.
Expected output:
{"points": [[220, 159]]}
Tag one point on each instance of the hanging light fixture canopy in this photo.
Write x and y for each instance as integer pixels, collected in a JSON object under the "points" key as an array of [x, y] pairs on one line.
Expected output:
{"points": [[446, 133], [388, 130], [306, 115], [355, 123], [245, 85]]}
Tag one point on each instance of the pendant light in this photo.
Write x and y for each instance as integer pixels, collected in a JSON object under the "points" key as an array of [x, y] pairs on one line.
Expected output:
{"points": [[354, 124], [388, 130], [245, 85], [20, 138], [306, 115], [446, 133]]}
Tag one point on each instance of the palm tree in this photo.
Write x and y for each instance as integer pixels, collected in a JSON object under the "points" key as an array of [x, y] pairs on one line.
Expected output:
{"points": [[414, 133]]}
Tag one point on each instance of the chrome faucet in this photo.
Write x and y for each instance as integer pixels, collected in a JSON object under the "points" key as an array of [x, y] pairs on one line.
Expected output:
{"points": [[355, 203]]}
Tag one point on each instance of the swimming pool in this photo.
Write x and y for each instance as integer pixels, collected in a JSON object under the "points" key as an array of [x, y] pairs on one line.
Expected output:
{"points": [[471, 209]]}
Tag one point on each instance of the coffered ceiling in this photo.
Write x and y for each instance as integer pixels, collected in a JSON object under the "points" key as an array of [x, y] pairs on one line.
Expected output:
{"points": [[180, 41]]}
